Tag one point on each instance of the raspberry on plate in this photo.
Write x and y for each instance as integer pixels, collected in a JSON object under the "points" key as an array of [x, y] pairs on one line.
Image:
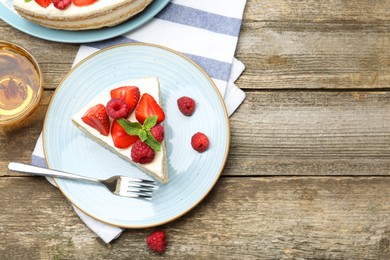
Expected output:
{"points": [[61, 4], [200, 142], [130, 94], [186, 105], [158, 132], [157, 242], [142, 153], [117, 108]]}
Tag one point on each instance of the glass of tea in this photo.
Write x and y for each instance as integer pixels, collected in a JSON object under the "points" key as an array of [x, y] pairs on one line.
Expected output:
{"points": [[20, 83]]}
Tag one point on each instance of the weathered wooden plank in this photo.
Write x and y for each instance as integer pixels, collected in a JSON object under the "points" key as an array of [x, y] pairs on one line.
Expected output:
{"points": [[315, 44], [242, 218], [290, 51], [320, 133], [282, 133], [285, 60], [361, 11]]}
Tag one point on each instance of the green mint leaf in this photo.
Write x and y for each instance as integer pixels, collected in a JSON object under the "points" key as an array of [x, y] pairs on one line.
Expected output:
{"points": [[142, 131], [132, 128], [152, 142], [26, 1], [142, 135], [150, 122]]}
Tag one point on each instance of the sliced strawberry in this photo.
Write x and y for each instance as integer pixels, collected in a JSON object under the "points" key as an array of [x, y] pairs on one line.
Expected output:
{"points": [[97, 118], [43, 3], [130, 94], [119, 136], [148, 106], [83, 2]]}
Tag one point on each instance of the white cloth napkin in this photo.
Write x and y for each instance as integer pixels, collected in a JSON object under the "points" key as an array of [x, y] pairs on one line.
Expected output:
{"points": [[206, 32]]}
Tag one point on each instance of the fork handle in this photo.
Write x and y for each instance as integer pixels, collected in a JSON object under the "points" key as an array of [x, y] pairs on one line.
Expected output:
{"points": [[32, 169]]}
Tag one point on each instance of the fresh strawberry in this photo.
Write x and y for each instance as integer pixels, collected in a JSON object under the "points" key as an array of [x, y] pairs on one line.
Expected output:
{"points": [[97, 118], [61, 4], [119, 136], [148, 106], [83, 2], [130, 94], [43, 3]]}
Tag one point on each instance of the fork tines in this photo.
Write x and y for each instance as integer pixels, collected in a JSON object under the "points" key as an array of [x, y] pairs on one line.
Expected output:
{"points": [[136, 180], [132, 194], [139, 187]]}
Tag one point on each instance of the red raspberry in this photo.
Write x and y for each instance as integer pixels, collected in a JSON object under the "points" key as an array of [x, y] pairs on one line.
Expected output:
{"points": [[61, 4], [158, 132], [186, 105], [157, 242], [142, 153], [200, 142], [117, 108]]}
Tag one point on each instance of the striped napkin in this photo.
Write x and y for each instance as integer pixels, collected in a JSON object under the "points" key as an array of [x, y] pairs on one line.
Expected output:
{"points": [[207, 33]]}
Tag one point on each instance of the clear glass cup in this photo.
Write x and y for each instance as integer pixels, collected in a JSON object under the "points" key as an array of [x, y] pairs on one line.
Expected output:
{"points": [[21, 83]]}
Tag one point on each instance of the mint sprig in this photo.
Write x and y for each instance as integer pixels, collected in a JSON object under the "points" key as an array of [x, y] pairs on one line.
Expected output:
{"points": [[142, 131]]}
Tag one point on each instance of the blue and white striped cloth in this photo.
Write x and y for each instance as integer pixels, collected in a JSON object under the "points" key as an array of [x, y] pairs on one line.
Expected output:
{"points": [[203, 30]]}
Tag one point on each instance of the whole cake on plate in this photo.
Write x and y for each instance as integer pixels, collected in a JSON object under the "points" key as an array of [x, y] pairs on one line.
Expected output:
{"points": [[128, 120], [79, 14]]}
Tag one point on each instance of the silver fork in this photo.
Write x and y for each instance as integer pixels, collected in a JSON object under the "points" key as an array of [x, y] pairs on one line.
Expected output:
{"points": [[119, 185]]}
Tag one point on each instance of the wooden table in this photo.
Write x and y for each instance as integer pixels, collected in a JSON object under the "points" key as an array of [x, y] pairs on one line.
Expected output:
{"points": [[308, 173]]}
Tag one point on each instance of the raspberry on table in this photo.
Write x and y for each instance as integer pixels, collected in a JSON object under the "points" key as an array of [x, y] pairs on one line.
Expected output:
{"points": [[156, 241], [158, 132], [186, 105], [200, 142], [117, 108], [142, 153]]}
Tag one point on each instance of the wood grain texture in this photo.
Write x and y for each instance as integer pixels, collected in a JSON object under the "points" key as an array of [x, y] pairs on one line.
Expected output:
{"points": [[281, 133], [315, 45], [250, 218], [308, 171], [311, 133]]}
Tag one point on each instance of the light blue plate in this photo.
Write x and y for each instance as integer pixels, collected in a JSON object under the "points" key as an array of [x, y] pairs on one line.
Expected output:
{"points": [[192, 175], [12, 18]]}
